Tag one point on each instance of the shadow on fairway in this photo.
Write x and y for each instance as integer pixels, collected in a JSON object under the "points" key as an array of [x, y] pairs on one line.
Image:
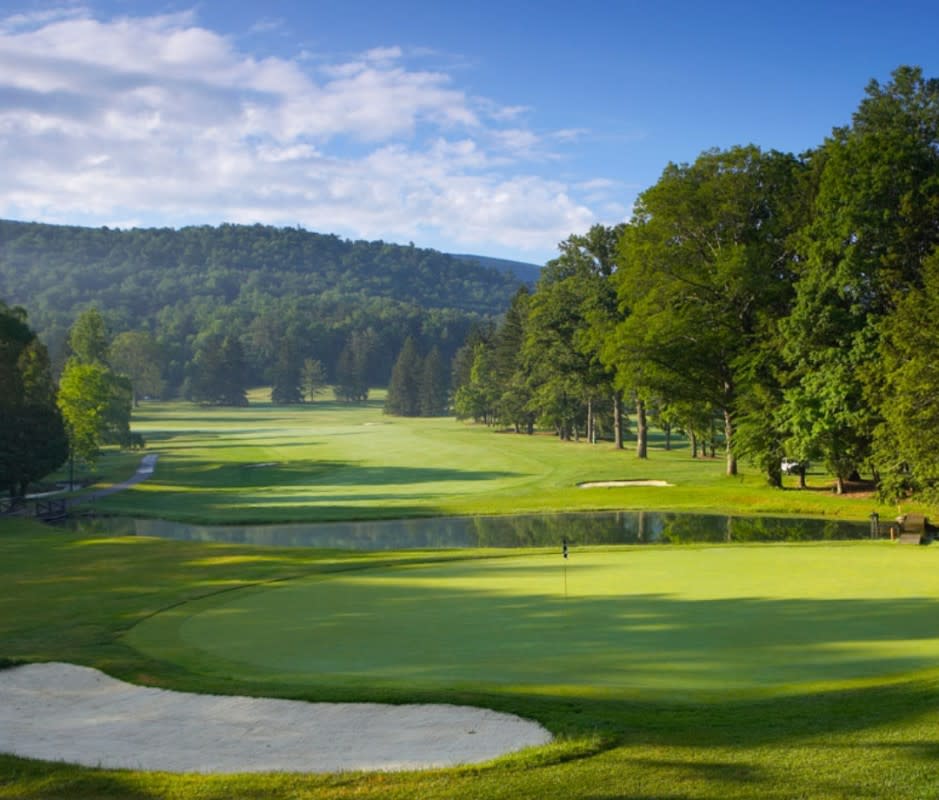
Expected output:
{"points": [[421, 629], [195, 473]]}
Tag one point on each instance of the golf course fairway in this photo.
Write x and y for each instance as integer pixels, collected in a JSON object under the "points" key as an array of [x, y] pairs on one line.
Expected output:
{"points": [[641, 619]]}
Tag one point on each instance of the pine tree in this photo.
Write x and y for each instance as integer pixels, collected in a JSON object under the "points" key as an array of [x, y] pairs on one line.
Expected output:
{"points": [[434, 386], [403, 397], [285, 389]]}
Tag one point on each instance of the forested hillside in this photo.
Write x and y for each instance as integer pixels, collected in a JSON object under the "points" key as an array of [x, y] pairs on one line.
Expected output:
{"points": [[268, 285]]}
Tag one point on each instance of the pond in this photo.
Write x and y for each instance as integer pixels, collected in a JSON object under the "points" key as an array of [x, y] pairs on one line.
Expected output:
{"points": [[529, 530]]}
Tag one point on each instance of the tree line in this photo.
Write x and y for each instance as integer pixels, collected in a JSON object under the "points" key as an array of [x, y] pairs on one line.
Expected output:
{"points": [[43, 423], [289, 295], [780, 307]]}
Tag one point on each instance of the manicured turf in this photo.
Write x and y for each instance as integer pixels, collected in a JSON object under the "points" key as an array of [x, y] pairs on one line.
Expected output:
{"points": [[329, 461], [74, 597], [672, 620], [754, 671]]}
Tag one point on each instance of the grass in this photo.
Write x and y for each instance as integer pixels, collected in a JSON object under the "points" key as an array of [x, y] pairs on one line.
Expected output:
{"points": [[632, 622], [328, 461], [796, 671], [76, 596]]}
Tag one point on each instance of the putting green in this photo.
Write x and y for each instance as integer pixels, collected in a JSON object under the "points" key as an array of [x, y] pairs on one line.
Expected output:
{"points": [[651, 618]]}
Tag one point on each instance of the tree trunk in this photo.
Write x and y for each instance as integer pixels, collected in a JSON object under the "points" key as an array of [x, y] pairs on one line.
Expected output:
{"points": [[729, 443], [839, 485], [668, 436], [590, 437], [642, 430], [694, 444], [802, 484], [618, 420]]}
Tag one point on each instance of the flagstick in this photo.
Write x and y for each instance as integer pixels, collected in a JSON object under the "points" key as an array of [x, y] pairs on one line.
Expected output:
{"points": [[564, 553]]}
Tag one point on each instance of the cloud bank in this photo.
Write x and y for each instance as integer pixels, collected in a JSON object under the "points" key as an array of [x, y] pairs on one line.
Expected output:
{"points": [[157, 120]]}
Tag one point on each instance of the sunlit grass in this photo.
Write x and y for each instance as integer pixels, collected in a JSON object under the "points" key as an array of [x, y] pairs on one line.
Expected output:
{"points": [[687, 672], [330, 461], [630, 620], [74, 596]]}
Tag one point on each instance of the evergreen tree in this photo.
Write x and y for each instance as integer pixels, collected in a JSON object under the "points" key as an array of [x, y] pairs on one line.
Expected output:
{"points": [[33, 440], [434, 387], [285, 389], [219, 374], [404, 390], [312, 378], [352, 369]]}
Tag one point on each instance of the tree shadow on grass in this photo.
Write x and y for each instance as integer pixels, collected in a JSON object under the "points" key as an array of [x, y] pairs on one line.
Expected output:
{"points": [[703, 665], [195, 473]]}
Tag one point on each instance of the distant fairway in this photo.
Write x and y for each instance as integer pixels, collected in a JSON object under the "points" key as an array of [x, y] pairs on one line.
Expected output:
{"points": [[654, 618], [331, 461]]}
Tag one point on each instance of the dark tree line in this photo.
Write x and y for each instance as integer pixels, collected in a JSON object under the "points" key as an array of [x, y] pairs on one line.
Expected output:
{"points": [[776, 306], [288, 295], [419, 385], [33, 440]]}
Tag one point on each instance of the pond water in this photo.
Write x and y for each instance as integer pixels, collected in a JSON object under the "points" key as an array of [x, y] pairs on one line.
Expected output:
{"points": [[530, 530]]}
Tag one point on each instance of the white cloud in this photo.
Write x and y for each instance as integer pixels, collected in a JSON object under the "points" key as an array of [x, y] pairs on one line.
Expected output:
{"points": [[156, 118]]}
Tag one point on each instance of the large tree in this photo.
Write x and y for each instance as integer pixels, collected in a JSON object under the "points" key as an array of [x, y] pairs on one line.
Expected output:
{"points": [[137, 356], [434, 386], [567, 377], [404, 395], [96, 407], [89, 339], [873, 225], [32, 436], [219, 373], [703, 265]]}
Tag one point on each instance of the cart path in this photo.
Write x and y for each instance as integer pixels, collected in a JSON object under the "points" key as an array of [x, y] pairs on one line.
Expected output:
{"points": [[144, 471]]}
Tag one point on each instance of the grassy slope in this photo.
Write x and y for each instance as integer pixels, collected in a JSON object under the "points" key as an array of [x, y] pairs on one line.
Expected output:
{"points": [[327, 461], [71, 596]]}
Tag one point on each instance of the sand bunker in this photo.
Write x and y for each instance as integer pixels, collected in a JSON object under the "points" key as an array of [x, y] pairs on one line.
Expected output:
{"points": [[610, 484], [61, 712]]}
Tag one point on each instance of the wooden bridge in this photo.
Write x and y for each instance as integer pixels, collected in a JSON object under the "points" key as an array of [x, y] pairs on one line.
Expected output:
{"points": [[44, 510]]}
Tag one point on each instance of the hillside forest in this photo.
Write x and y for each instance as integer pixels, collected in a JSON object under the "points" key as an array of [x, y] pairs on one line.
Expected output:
{"points": [[285, 294], [779, 308]]}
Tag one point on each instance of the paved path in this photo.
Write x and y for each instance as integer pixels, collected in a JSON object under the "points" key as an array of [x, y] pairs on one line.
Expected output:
{"points": [[144, 471]]}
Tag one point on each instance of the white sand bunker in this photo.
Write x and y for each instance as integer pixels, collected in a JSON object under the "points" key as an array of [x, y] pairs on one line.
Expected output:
{"points": [[613, 484], [61, 712]]}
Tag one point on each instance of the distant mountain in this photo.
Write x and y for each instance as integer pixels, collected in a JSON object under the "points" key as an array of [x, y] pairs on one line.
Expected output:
{"points": [[524, 271], [262, 282]]}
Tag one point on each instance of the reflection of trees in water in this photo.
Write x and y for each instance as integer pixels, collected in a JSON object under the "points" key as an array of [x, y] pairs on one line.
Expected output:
{"points": [[538, 530], [549, 530]]}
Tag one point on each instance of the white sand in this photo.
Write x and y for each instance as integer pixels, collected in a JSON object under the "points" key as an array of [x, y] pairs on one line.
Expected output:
{"points": [[614, 484], [61, 712]]}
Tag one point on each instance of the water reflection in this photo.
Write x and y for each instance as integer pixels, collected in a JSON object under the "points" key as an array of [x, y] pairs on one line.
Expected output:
{"points": [[534, 530]]}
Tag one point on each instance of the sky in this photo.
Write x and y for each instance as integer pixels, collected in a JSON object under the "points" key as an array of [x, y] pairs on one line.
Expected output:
{"points": [[494, 128]]}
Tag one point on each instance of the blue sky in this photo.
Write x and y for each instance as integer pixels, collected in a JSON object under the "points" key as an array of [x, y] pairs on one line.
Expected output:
{"points": [[496, 128]]}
